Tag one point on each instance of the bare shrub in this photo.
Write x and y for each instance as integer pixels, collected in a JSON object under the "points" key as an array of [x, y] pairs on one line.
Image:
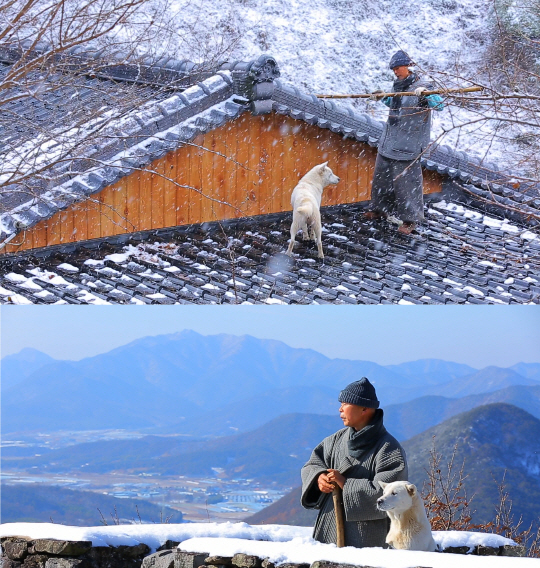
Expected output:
{"points": [[444, 493], [448, 506]]}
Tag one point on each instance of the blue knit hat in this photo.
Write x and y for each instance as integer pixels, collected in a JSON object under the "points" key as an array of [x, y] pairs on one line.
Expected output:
{"points": [[400, 58], [361, 393]]}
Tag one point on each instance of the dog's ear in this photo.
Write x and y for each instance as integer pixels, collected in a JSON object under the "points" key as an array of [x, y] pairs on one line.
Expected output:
{"points": [[322, 166], [383, 485], [411, 489]]}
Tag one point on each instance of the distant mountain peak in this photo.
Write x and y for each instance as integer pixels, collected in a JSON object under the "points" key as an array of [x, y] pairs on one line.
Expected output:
{"points": [[29, 354]]}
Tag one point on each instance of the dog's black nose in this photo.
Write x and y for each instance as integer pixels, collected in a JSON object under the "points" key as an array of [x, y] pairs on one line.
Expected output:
{"points": [[379, 501]]}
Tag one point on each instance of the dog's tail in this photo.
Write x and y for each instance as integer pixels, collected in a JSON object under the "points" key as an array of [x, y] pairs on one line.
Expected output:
{"points": [[306, 210]]}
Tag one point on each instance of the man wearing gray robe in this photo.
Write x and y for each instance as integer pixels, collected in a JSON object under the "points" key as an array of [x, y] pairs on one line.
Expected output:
{"points": [[397, 187], [356, 458]]}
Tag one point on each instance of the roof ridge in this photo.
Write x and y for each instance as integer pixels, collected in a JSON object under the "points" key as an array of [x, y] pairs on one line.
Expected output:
{"points": [[161, 71]]}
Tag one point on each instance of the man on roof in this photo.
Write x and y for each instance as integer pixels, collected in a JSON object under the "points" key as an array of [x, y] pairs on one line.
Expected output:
{"points": [[397, 187], [355, 458]]}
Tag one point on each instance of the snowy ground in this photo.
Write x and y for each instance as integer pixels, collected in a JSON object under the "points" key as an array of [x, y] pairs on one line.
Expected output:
{"points": [[279, 543]]}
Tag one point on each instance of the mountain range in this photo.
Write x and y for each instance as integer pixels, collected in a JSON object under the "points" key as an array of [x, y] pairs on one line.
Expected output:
{"points": [[494, 442], [411, 418], [186, 383]]}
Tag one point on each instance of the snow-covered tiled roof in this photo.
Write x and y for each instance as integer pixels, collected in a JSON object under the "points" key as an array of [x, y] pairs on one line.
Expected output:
{"points": [[460, 256], [68, 158], [163, 119]]}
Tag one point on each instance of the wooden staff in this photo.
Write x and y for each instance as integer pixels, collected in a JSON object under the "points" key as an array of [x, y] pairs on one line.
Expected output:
{"points": [[404, 94], [337, 496]]}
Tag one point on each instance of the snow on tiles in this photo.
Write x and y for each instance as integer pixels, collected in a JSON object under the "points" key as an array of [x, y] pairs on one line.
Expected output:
{"points": [[119, 258], [68, 267], [472, 290], [30, 285], [201, 267], [21, 300], [44, 294], [16, 278], [427, 272], [90, 298], [152, 275], [491, 264], [276, 301], [109, 272]]}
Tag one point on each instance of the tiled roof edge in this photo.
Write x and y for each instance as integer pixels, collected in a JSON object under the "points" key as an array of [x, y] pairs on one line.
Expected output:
{"points": [[164, 71], [504, 203], [141, 236], [166, 135], [251, 79], [124, 238]]}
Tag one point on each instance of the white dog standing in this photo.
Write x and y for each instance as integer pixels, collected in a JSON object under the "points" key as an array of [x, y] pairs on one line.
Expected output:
{"points": [[409, 525], [306, 202]]}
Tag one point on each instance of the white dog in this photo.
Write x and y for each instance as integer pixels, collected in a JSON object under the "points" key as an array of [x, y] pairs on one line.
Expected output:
{"points": [[306, 202], [409, 525]]}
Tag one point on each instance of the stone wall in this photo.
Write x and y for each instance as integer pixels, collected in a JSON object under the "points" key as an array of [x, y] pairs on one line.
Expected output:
{"points": [[21, 552], [176, 558]]}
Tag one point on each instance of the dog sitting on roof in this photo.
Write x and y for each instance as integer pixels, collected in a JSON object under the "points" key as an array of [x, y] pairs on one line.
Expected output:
{"points": [[306, 202], [409, 525]]}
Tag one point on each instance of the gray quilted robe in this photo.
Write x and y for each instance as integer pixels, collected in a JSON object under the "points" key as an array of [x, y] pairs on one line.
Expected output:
{"points": [[408, 135], [365, 525]]}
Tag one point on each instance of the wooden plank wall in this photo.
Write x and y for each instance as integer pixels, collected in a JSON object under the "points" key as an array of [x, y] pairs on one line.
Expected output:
{"points": [[247, 167]]}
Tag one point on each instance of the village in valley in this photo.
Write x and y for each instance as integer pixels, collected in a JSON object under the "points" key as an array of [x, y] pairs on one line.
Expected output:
{"points": [[198, 499]]}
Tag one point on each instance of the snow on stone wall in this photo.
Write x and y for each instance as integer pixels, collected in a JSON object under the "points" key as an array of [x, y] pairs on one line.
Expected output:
{"points": [[46, 545]]}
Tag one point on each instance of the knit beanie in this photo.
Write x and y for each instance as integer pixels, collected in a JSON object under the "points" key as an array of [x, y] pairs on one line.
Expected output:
{"points": [[361, 393], [400, 58]]}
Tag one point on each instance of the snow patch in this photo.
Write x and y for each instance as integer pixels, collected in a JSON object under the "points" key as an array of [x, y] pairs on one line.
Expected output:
{"points": [[119, 258], [68, 267]]}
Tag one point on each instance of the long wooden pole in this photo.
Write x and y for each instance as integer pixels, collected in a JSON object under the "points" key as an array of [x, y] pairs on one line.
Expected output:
{"points": [[404, 94], [337, 496]]}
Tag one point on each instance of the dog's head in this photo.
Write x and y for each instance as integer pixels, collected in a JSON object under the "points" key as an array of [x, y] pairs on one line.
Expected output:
{"points": [[397, 496], [327, 174]]}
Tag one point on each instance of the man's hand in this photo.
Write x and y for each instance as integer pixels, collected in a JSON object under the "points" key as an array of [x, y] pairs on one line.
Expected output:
{"points": [[335, 477], [377, 95], [418, 92], [325, 485]]}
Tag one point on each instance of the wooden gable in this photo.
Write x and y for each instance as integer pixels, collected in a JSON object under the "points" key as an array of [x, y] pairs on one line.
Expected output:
{"points": [[247, 167]]}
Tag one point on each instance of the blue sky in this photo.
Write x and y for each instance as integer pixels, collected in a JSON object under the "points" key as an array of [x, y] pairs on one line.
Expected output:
{"points": [[475, 335]]}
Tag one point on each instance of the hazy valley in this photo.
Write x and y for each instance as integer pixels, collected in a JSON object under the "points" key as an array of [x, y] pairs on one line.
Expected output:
{"points": [[219, 427]]}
